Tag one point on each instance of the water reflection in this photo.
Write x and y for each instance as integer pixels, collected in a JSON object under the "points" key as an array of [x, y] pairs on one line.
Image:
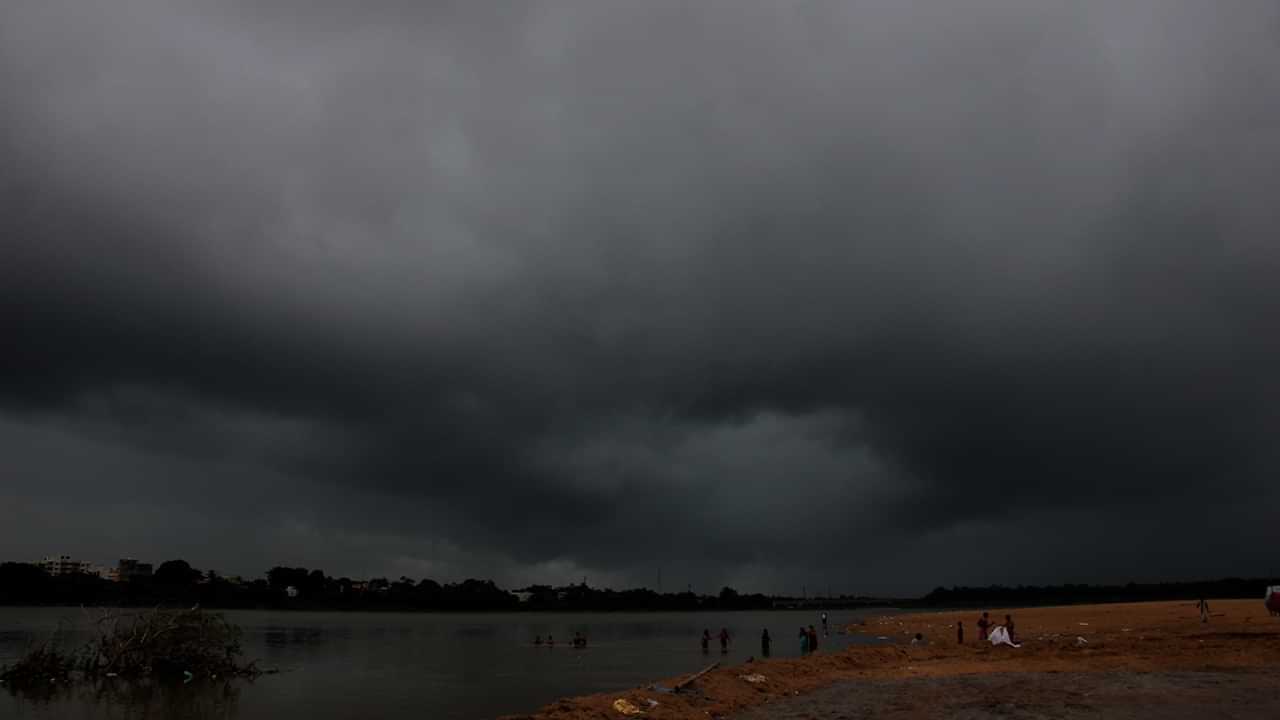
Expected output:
{"points": [[283, 636], [409, 666], [134, 699]]}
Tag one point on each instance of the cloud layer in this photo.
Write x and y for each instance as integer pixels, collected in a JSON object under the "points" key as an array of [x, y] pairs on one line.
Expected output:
{"points": [[877, 296]]}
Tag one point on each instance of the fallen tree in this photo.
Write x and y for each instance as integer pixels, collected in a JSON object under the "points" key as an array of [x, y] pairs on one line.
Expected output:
{"points": [[168, 645]]}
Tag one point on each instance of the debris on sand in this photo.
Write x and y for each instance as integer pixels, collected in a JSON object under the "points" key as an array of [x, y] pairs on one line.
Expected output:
{"points": [[626, 707]]}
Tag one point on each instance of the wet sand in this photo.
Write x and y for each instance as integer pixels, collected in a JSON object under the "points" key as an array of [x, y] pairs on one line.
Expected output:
{"points": [[1119, 695], [1159, 651]]}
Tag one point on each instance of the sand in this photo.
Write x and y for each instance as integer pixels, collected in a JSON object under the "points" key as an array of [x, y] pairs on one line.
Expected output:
{"points": [[1117, 695], [1129, 651]]}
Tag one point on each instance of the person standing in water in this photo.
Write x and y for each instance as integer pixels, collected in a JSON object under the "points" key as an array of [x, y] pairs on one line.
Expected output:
{"points": [[804, 641], [706, 640], [813, 640], [764, 643], [724, 641], [824, 624]]}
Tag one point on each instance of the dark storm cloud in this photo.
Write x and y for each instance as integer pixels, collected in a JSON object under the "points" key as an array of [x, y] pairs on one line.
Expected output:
{"points": [[758, 293]]}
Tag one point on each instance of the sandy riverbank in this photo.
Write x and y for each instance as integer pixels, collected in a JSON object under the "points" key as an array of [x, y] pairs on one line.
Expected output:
{"points": [[1132, 640]]}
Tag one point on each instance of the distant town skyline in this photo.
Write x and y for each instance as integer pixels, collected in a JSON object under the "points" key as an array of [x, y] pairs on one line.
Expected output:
{"points": [[875, 296]]}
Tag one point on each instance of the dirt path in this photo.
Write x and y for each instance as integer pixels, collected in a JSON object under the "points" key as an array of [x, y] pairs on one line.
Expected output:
{"points": [[1028, 696]]}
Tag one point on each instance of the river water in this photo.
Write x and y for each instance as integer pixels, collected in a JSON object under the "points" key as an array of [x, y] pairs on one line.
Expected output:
{"points": [[393, 665]]}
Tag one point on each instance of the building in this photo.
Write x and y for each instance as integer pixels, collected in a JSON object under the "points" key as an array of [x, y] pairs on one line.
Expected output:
{"points": [[130, 569], [56, 565]]}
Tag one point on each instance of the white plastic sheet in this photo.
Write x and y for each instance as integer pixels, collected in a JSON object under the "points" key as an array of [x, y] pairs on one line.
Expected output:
{"points": [[1000, 636]]}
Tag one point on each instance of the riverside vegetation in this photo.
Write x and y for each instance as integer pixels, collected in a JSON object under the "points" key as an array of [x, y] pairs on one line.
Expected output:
{"points": [[160, 645]]}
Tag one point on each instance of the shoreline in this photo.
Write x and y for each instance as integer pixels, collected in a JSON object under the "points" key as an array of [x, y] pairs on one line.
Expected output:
{"points": [[1141, 638]]}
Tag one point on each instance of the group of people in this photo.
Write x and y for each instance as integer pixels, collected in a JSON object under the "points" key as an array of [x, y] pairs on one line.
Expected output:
{"points": [[985, 626], [579, 640], [808, 639], [724, 640]]}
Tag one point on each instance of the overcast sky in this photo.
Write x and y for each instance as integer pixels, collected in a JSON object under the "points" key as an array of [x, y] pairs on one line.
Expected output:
{"points": [[868, 296]]}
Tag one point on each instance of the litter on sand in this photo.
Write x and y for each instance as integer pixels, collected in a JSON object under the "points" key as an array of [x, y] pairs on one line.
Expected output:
{"points": [[1000, 636], [626, 707], [754, 678], [1081, 641]]}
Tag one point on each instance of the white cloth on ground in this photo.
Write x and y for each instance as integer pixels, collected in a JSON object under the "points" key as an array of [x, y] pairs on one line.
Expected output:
{"points": [[1000, 636]]}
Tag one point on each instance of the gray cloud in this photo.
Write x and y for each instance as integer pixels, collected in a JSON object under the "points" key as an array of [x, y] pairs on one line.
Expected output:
{"points": [[882, 295]]}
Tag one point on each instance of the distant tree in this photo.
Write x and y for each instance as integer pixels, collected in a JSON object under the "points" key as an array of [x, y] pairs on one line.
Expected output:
{"points": [[23, 582], [282, 577], [175, 573], [728, 597], [315, 583]]}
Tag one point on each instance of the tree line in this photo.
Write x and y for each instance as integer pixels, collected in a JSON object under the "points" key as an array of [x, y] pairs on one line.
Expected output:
{"points": [[1071, 594], [176, 582]]}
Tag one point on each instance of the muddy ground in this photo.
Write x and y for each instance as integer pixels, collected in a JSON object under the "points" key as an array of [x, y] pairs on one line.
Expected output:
{"points": [[1038, 696]]}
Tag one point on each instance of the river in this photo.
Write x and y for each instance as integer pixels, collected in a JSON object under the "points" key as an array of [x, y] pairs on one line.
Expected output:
{"points": [[417, 665]]}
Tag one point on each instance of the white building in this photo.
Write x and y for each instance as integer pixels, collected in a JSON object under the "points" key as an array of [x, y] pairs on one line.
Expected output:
{"points": [[64, 565]]}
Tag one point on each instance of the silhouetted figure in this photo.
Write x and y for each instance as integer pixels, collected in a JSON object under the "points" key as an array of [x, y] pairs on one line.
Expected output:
{"points": [[959, 632], [724, 641], [813, 640], [579, 640], [706, 640], [1008, 625], [984, 626], [804, 641], [551, 641], [824, 624], [1203, 605], [537, 640], [764, 643]]}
